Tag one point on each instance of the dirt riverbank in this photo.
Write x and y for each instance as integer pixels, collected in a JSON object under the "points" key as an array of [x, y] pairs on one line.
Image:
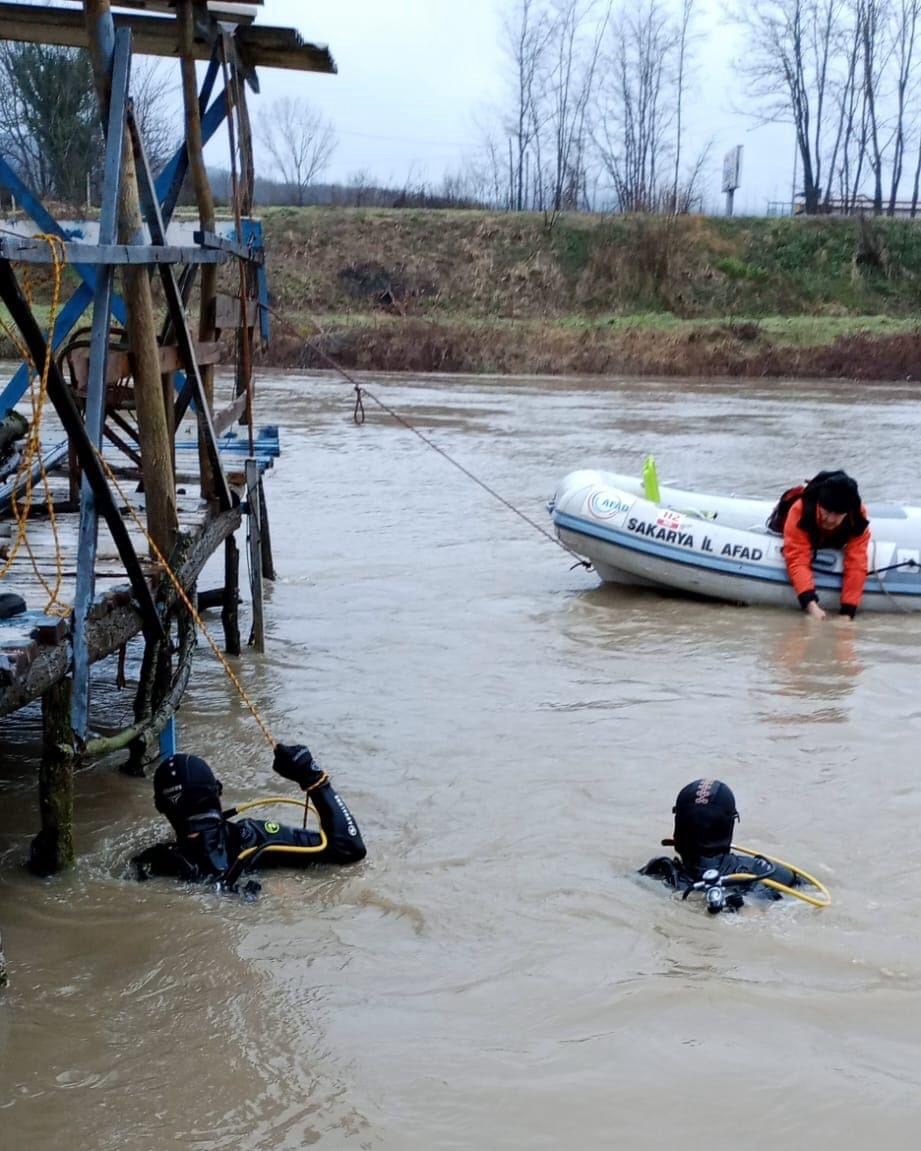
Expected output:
{"points": [[479, 292]]}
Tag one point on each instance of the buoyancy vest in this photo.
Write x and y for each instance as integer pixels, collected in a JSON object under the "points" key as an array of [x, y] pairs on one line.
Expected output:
{"points": [[672, 871]]}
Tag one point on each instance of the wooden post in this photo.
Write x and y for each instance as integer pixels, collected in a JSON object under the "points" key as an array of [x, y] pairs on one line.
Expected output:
{"points": [[242, 194], [205, 201], [257, 637], [159, 489], [207, 441], [268, 563], [53, 848], [230, 617]]}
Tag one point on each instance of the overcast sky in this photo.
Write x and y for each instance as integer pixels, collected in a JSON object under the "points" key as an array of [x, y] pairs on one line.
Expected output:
{"points": [[416, 77]]}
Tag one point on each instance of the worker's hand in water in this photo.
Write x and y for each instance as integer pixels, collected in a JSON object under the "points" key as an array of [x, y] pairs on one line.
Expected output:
{"points": [[815, 611], [293, 761]]}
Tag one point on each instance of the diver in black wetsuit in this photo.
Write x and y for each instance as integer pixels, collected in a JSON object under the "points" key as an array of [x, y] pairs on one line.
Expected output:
{"points": [[211, 846], [705, 815]]}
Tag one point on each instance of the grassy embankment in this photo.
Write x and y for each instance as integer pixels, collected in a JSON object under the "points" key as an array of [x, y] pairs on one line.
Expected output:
{"points": [[482, 292], [406, 290]]}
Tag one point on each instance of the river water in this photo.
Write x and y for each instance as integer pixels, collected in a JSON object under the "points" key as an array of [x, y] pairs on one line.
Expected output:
{"points": [[510, 735]]}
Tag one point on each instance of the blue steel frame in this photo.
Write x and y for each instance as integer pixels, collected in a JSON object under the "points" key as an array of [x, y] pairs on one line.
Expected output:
{"points": [[95, 411], [168, 185], [96, 287]]}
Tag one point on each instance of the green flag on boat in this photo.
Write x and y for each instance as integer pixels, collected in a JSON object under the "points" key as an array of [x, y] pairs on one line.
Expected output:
{"points": [[650, 480]]}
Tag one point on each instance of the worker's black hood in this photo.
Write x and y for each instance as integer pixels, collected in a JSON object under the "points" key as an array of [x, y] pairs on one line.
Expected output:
{"points": [[185, 787], [705, 816]]}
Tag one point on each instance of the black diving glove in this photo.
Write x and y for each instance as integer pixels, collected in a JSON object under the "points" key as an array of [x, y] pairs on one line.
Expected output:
{"points": [[293, 761]]}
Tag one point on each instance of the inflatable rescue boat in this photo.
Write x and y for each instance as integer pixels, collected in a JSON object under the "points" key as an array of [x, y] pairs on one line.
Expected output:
{"points": [[719, 547]]}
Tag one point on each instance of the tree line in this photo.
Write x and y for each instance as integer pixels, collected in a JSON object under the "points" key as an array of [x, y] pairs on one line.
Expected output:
{"points": [[605, 109], [605, 97], [50, 132]]}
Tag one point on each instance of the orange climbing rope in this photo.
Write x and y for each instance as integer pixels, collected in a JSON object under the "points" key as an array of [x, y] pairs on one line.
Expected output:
{"points": [[184, 597], [38, 394]]}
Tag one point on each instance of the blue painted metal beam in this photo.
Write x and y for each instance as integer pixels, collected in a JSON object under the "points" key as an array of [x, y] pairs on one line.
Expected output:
{"points": [[169, 184], [95, 412], [27, 200], [168, 739], [170, 180], [252, 236]]}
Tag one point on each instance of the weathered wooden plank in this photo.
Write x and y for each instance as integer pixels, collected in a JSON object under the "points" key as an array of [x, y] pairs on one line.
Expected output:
{"points": [[50, 629], [38, 252], [153, 36], [227, 312], [224, 419], [121, 620], [242, 251], [254, 512], [118, 365]]}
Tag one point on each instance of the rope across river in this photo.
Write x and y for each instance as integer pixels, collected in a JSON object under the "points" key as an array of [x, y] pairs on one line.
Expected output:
{"points": [[358, 415]]}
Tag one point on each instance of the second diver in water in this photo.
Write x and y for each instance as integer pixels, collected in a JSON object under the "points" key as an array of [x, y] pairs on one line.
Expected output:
{"points": [[708, 862]]}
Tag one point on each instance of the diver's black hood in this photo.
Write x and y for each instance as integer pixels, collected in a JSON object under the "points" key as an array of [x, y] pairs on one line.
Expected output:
{"points": [[705, 815], [185, 786]]}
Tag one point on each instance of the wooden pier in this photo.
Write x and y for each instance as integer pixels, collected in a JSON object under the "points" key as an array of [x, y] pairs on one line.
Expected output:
{"points": [[130, 475]]}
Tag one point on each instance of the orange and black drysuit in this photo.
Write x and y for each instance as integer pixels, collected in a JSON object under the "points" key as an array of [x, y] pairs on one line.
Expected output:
{"points": [[802, 538]]}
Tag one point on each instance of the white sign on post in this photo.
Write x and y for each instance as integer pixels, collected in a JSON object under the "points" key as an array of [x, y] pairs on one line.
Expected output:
{"points": [[732, 171]]}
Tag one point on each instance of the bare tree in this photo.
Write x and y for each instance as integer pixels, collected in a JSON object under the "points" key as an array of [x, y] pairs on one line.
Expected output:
{"points": [[492, 169], [571, 86], [905, 24], [360, 186], [684, 27], [49, 124], [156, 101], [635, 118], [299, 140], [846, 102], [791, 49], [526, 36], [869, 14]]}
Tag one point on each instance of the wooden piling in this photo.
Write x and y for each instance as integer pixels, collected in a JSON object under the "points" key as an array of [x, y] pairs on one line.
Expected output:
{"points": [[257, 637], [268, 561], [159, 489], [53, 848], [230, 616], [206, 217]]}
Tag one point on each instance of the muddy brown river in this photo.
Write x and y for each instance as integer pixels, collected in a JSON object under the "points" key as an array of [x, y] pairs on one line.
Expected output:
{"points": [[510, 735]]}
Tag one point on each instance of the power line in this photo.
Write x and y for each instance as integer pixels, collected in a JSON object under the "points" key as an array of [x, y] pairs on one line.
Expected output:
{"points": [[408, 139]]}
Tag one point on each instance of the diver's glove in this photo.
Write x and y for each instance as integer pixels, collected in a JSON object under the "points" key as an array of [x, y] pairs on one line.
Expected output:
{"points": [[293, 761]]}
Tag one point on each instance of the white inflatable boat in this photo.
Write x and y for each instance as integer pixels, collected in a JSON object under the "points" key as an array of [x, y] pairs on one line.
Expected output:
{"points": [[719, 547]]}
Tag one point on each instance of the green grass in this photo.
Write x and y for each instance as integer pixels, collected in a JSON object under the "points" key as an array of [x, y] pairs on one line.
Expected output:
{"points": [[786, 331]]}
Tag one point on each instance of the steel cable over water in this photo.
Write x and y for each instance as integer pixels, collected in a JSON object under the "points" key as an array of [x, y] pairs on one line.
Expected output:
{"points": [[358, 415]]}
